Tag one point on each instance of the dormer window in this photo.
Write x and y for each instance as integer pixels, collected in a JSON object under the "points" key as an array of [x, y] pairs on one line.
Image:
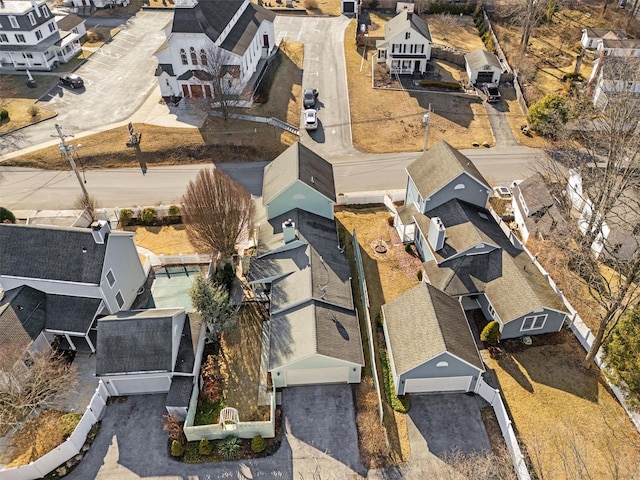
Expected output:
{"points": [[13, 21], [32, 18], [45, 11]]}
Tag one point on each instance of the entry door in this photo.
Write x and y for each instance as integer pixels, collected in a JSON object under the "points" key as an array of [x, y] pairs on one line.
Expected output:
{"points": [[265, 41], [185, 91], [196, 91]]}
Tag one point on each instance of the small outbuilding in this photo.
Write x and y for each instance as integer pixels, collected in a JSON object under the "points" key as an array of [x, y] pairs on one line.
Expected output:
{"points": [[429, 342], [482, 67]]}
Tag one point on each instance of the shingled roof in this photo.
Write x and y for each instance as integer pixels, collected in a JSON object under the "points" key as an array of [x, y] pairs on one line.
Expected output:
{"points": [[425, 322], [403, 21], [22, 316], [479, 58], [298, 163], [440, 165], [51, 253]]}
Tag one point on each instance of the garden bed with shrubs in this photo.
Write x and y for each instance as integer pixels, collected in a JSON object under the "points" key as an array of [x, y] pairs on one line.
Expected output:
{"points": [[149, 216]]}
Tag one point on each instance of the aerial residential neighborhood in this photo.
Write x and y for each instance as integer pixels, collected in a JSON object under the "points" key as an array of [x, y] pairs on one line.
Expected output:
{"points": [[319, 239]]}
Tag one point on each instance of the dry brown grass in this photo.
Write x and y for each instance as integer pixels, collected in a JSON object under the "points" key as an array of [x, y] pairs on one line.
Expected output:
{"points": [[168, 240], [387, 120], [560, 408], [371, 435], [455, 31], [20, 115], [317, 7], [242, 346]]}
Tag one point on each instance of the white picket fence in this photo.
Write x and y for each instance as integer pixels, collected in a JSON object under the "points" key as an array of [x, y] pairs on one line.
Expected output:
{"points": [[364, 198], [493, 397], [69, 448]]}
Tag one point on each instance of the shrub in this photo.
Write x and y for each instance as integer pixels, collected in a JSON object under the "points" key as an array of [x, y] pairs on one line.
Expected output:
{"points": [[205, 447], [214, 379], [174, 213], [229, 448], [491, 333], [396, 403], [224, 276], [258, 444], [34, 111], [391, 220], [4, 114], [374, 4], [440, 84], [148, 215], [548, 115], [7, 216], [177, 449], [419, 275], [310, 4], [126, 214], [68, 423], [407, 248]]}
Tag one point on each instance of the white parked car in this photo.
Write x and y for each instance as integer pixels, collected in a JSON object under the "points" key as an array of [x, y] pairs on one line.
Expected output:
{"points": [[310, 119]]}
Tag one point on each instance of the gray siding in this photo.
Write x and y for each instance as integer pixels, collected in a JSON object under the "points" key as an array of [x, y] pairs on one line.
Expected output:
{"points": [[455, 368], [412, 196], [473, 192], [122, 258], [299, 195], [553, 323]]}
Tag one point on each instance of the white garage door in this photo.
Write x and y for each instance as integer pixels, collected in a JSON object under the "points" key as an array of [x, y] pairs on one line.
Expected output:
{"points": [[433, 385], [131, 386], [316, 376]]}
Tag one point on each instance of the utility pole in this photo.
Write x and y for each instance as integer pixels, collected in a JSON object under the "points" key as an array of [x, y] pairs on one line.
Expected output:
{"points": [[425, 120], [66, 150]]}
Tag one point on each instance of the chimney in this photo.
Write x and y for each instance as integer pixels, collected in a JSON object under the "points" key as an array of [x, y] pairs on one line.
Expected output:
{"points": [[100, 229], [436, 235], [289, 231]]}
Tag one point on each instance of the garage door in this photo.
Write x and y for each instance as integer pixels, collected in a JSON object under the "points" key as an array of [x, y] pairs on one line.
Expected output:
{"points": [[133, 386], [485, 77], [316, 376], [433, 385]]}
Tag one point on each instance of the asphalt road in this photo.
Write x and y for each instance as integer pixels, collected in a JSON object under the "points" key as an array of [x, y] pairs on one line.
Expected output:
{"points": [[28, 189]]}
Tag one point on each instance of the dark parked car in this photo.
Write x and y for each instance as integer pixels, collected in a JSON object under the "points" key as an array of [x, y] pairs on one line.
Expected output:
{"points": [[71, 80], [492, 93], [309, 97]]}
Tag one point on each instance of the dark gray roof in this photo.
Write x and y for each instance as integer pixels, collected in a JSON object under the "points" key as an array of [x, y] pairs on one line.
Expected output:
{"points": [[544, 215], [440, 165], [22, 316], [243, 32], [312, 329], [52, 253], [165, 67], [479, 58], [298, 163], [71, 314], [136, 341], [403, 21], [199, 74], [425, 322], [20, 10], [179, 392]]}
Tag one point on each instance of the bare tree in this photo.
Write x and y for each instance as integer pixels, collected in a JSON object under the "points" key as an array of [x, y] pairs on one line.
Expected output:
{"points": [[88, 204], [42, 379], [608, 202], [217, 213], [223, 75], [526, 14]]}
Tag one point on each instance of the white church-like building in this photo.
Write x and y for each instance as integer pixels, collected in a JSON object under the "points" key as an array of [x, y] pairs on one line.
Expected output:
{"points": [[235, 36]]}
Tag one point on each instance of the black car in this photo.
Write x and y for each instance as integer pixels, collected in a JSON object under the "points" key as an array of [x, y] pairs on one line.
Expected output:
{"points": [[309, 97], [72, 80]]}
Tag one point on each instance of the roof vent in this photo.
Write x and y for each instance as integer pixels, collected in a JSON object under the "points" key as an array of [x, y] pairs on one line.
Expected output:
{"points": [[100, 229], [289, 231], [437, 234]]}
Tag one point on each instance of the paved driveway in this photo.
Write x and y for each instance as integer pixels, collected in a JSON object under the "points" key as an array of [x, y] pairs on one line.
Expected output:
{"points": [[118, 77], [319, 436]]}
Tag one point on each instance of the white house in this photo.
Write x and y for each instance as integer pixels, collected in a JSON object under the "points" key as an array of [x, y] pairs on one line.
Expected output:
{"points": [[30, 37], [238, 33], [482, 67], [614, 75], [100, 3], [406, 47], [591, 37], [619, 47]]}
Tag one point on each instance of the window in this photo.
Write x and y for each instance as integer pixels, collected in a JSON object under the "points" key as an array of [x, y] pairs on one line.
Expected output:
{"points": [[459, 186], [27, 55], [524, 205], [52, 27], [13, 21], [442, 364], [38, 35], [194, 57], [111, 278], [32, 18], [3, 38], [203, 57], [45, 11], [20, 38], [183, 56], [119, 299], [535, 322], [492, 311], [407, 35]]}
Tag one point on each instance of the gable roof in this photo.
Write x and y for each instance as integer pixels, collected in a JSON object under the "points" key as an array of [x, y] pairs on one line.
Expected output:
{"points": [[136, 341], [211, 17], [68, 22], [52, 253], [312, 329], [620, 43], [605, 32], [438, 166], [479, 58], [70, 314], [544, 215], [403, 21], [425, 322], [22, 316], [298, 163]]}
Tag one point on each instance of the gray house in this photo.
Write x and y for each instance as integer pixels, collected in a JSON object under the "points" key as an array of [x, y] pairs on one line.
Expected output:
{"points": [[149, 351], [430, 345], [465, 252], [81, 272], [301, 271]]}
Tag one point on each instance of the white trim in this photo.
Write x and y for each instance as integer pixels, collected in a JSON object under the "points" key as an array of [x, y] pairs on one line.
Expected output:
{"points": [[534, 320]]}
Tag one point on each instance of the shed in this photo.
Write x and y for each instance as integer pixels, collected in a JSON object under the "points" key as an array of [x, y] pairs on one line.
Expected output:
{"points": [[482, 67]]}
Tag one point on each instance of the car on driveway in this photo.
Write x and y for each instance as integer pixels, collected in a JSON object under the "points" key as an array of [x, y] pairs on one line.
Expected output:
{"points": [[310, 119], [309, 97], [71, 80], [492, 93]]}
